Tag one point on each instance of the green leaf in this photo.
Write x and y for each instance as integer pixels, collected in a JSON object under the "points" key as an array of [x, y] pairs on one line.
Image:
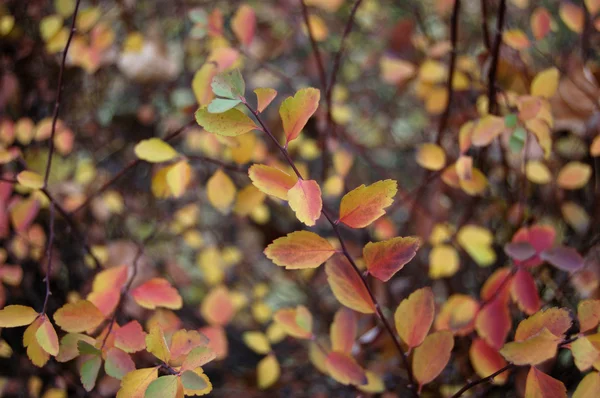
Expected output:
{"points": [[220, 105], [163, 387], [517, 139], [230, 123], [86, 348], [89, 372], [229, 85], [510, 120], [193, 381]]}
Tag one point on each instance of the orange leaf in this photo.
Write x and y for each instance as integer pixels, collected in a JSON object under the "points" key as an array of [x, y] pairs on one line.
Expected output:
{"points": [[295, 111], [493, 323], [348, 286], [487, 360], [574, 175], [500, 279], [298, 250], [271, 181], [524, 292], [556, 320], [536, 349], [414, 316], [363, 205], [78, 317], [540, 22], [305, 199], [264, 96], [157, 292], [344, 369], [572, 16], [130, 337], [343, 331], [431, 357], [297, 322], [458, 315], [486, 130], [517, 39], [386, 258], [217, 307], [540, 385], [243, 24], [217, 340], [588, 313]]}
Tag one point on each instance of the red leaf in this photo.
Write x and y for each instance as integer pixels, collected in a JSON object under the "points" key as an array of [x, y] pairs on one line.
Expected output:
{"points": [[386, 258], [524, 292]]}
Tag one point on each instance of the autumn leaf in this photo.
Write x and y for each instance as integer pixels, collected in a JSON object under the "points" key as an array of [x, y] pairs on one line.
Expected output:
{"points": [[298, 250], [118, 363], [344, 369], [524, 292], [155, 150], [343, 331], [17, 315], [588, 314], [540, 385], [230, 123], [545, 83], [135, 383], [78, 317], [295, 111], [46, 337], [431, 157], [432, 356], [305, 199], [164, 387], [589, 386], [533, 350], [347, 285], [221, 191], [296, 322], [268, 371], [130, 337], [564, 258], [271, 180], [157, 292], [493, 323], [30, 179], [257, 342], [89, 372], [156, 344], [365, 204], [385, 258], [217, 307], [556, 320], [243, 24], [457, 315], [264, 96], [414, 316], [486, 360]]}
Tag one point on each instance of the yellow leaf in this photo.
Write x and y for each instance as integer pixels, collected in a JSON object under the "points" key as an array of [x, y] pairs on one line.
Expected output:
{"points": [[30, 179], [318, 28], [443, 261], [221, 191], [264, 96], [155, 150], [50, 26], [230, 123], [17, 315], [365, 204], [135, 383], [545, 83], [157, 345], [178, 177], [268, 372], [257, 342], [537, 172], [536, 349], [431, 157], [46, 337]]}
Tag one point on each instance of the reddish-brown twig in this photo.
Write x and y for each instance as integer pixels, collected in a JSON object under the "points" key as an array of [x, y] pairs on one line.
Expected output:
{"points": [[492, 104], [487, 379]]}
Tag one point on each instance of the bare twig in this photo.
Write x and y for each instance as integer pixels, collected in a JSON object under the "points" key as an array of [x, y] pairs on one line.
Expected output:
{"points": [[484, 25], [345, 251], [451, 68], [49, 259], [483, 380], [492, 104], [314, 45], [59, 94]]}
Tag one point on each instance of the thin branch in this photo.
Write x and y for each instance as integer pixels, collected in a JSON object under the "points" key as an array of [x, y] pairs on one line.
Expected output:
{"points": [[484, 25], [330, 130], [314, 45], [483, 380], [130, 166], [59, 90], [451, 68], [227, 166], [492, 104], [49, 259], [345, 251]]}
